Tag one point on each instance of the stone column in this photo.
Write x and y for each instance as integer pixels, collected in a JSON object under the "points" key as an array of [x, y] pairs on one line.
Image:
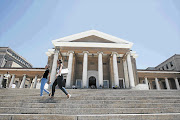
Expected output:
{"points": [[177, 84], [54, 66], [157, 84], [35, 81], [100, 69], [23, 81], [130, 71], [85, 68], [115, 69], [126, 73], [1, 79], [69, 75], [12, 80], [167, 84], [146, 80]]}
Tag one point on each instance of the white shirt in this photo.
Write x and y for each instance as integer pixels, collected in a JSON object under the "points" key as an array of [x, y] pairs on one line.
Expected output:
{"points": [[6, 76], [13, 86]]}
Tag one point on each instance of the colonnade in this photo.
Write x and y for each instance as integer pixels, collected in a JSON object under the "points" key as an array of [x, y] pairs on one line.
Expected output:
{"points": [[166, 83], [128, 70], [11, 80]]}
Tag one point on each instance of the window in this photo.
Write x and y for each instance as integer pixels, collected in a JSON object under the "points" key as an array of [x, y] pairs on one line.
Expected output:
{"points": [[80, 63], [104, 63], [118, 59], [164, 67], [167, 66], [171, 64], [91, 63]]}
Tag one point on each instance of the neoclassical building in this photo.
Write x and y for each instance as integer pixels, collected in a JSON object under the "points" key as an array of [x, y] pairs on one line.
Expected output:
{"points": [[97, 59], [10, 59]]}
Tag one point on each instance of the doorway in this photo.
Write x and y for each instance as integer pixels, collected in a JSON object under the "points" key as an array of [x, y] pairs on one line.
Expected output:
{"points": [[92, 82], [121, 83]]}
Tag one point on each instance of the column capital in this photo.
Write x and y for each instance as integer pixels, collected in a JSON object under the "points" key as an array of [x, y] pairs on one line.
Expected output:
{"points": [[175, 78], [125, 56], [24, 74], [85, 52], [123, 59], [129, 52], [166, 77], [114, 53], [56, 51], [99, 52], [145, 77], [70, 52], [13, 74]]}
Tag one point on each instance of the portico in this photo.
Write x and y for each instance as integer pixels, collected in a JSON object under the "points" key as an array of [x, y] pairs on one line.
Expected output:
{"points": [[105, 58]]}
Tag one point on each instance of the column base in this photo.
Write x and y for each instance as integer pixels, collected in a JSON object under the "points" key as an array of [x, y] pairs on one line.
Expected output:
{"points": [[140, 87]]}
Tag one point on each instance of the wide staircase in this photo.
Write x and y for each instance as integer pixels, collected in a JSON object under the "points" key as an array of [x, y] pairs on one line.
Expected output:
{"points": [[90, 104]]}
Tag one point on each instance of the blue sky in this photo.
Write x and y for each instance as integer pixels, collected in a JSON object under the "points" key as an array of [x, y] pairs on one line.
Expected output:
{"points": [[29, 26]]}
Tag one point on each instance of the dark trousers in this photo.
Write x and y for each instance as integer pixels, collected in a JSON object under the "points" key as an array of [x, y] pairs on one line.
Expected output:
{"points": [[58, 82], [4, 83]]}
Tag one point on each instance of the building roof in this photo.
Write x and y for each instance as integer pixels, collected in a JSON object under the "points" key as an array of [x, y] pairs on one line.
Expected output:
{"points": [[7, 48], [167, 60], [70, 41]]}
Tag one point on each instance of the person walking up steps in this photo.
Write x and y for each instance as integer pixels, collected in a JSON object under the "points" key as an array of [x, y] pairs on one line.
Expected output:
{"points": [[59, 80], [44, 81]]}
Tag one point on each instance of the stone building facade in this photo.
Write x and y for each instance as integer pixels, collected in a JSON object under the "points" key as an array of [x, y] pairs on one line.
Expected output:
{"points": [[172, 63], [102, 60], [21, 77], [10, 59], [96, 59]]}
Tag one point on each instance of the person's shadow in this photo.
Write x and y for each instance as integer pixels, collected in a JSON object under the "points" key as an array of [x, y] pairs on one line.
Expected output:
{"points": [[47, 100]]}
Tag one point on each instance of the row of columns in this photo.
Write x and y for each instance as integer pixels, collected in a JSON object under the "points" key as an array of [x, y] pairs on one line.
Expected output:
{"points": [[22, 82], [127, 66], [166, 82]]}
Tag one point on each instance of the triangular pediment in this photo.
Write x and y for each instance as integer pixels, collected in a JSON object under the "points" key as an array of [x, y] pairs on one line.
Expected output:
{"points": [[93, 39], [92, 36]]}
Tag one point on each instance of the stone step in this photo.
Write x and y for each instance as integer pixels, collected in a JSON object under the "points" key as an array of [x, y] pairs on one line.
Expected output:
{"points": [[78, 111], [86, 104], [162, 116], [68, 105], [91, 97], [64, 100], [59, 93], [81, 95], [95, 94], [94, 91]]}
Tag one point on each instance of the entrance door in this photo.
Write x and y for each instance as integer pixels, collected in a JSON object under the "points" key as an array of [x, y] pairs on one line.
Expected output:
{"points": [[164, 85], [78, 83], [92, 82], [105, 83], [121, 83]]}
